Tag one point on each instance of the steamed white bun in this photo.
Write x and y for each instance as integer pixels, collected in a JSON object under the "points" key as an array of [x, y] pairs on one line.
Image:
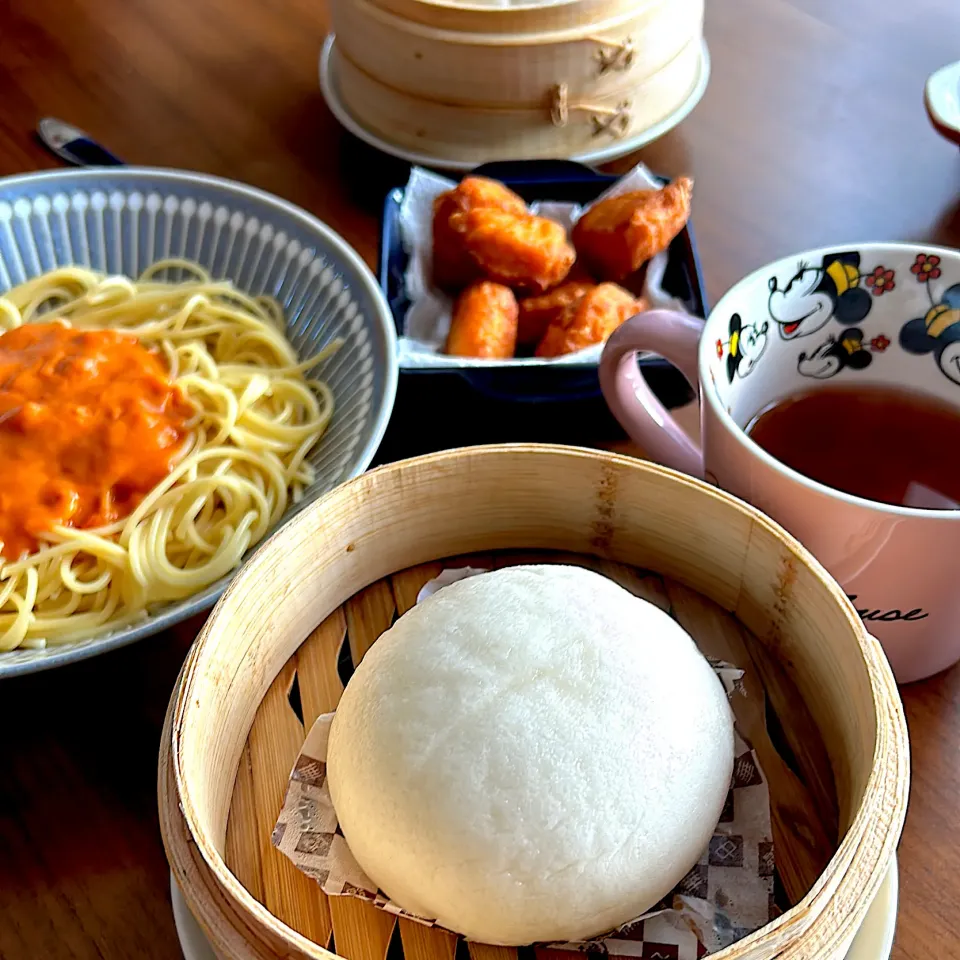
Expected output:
{"points": [[533, 754]]}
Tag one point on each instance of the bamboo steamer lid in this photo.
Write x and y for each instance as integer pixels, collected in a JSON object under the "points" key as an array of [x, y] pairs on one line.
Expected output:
{"points": [[534, 497], [470, 83]]}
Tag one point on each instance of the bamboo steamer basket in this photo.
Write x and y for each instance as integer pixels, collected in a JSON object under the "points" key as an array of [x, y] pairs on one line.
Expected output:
{"points": [[507, 64], [554, 80], [740, 571]]}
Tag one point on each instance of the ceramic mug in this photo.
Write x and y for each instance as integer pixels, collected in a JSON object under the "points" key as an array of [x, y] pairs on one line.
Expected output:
{"points": [[860, 314]]}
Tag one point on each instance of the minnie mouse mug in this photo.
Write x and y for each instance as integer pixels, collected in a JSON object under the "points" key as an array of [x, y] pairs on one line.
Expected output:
{"points": [[871, 314]]}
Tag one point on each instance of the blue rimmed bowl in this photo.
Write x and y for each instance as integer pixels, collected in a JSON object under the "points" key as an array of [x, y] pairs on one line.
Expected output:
{"points": [[123, 219]]}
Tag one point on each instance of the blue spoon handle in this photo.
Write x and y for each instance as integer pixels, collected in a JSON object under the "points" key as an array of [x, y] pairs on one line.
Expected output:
{"points": [[73, 145]]}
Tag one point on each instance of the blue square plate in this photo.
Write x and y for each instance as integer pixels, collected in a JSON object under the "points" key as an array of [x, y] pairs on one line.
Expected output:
{"points": [[559, 180]]}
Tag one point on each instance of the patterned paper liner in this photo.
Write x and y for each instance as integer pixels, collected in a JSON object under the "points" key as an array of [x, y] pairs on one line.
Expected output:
{"points": [[725, 896]]}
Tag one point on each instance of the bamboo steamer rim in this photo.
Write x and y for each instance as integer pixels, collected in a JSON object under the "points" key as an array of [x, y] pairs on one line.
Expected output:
{"points": [[501, 35], [514, 9], [483, 8], [822, 923], [564, 14]]}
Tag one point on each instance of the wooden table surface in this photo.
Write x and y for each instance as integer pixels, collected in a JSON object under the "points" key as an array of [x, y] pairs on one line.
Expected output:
{"points": [[812, 132]]}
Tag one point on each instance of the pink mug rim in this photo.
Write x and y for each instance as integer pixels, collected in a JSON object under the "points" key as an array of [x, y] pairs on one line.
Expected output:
{"points": [[708, 389]]}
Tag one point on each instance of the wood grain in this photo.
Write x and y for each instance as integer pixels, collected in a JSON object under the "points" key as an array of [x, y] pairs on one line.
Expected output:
{"points": [[361, 932], [426, 943], [812, 130], [317, 677], [484, 951], [275, 741], [243, 844]]}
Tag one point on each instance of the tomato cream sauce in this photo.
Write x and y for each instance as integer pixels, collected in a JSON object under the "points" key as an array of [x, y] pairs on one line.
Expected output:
{"points": [[89, 423]]}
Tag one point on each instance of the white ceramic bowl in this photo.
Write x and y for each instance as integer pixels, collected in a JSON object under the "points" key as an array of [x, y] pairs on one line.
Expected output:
{"points": [[122, 219]]}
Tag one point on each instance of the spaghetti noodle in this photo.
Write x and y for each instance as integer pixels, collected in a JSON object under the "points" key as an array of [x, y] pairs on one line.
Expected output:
{"points": [[229, 444]]}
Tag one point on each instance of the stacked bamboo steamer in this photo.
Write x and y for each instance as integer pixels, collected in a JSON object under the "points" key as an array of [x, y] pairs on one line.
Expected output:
{"points": [[476, 81], [509, 498]]}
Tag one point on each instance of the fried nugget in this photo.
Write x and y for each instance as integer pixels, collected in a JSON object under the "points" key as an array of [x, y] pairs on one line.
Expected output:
{"points": [[472, 193], [589, 320], [452, 268], [580, 274], [520, 251], [537, 313], [619, 234], [484, 322]]}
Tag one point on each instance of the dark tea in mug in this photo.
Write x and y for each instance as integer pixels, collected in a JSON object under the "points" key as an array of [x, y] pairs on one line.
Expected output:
{"points": [[880, 443]]}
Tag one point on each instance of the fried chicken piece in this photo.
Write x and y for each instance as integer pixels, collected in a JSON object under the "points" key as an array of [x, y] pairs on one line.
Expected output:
{"points": [[484, 322], [619, 234], [472, 193], [589, 320], [537, 313], [452, 268], [520, 251], [580, 274]]}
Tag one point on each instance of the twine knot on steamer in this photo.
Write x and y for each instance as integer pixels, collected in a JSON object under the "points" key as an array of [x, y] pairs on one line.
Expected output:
{"points": [[613, 54], [612, 120]]}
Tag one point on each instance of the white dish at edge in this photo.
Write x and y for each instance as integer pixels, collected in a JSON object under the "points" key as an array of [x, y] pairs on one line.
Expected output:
{"points": [[619, 148], [942, 98], [874, 941]]}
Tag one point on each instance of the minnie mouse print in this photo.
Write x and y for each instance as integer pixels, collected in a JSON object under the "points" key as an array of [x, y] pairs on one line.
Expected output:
{"points": [[814, 295], [846, 351], [938, 331], [746, 343]]}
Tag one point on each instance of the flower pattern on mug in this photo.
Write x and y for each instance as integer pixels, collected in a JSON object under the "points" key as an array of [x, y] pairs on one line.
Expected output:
{"points": [[880, 281], [880, 343], [719, 349], [926, 267]]}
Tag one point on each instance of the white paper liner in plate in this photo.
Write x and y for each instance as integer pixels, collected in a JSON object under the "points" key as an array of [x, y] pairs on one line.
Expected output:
{"points": [[726, 895], [428, 319]]}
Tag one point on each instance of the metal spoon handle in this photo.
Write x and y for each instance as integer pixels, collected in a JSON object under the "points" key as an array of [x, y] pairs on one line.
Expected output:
{"points": [[73, 145]]}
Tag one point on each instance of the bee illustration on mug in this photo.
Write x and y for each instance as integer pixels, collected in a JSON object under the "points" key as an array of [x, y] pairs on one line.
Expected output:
{"points": [[836, 289], [938, 331]]}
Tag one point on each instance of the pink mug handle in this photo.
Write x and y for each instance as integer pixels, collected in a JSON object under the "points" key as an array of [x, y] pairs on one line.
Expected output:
{"points": [[675, 337]]}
